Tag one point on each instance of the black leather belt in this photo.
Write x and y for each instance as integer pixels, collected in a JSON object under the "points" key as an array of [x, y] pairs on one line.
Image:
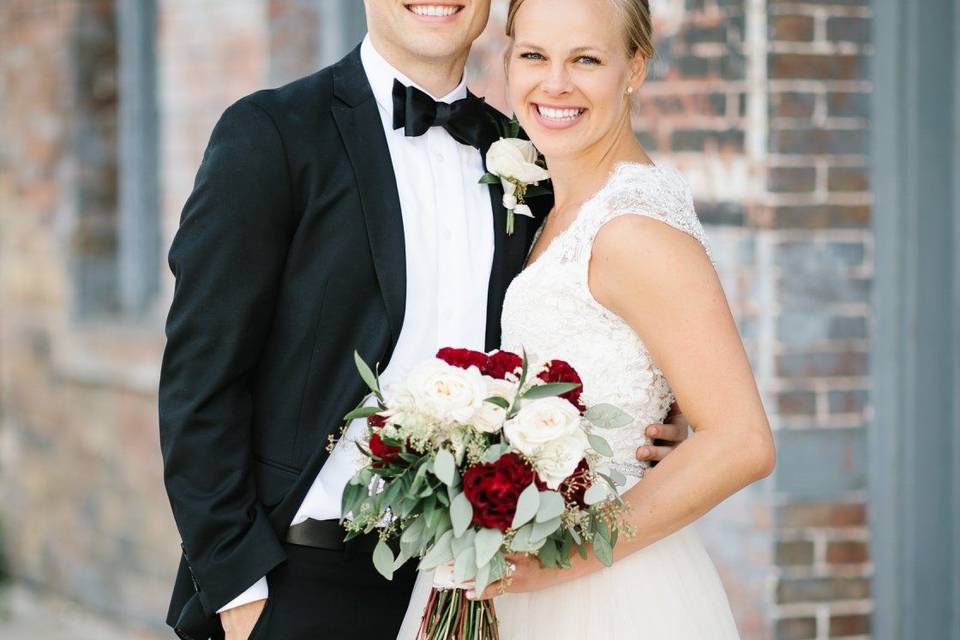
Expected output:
{"points": [[329, 534]]}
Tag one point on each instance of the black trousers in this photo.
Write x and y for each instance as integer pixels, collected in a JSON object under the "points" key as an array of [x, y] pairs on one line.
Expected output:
{"points": [[319, 594]]}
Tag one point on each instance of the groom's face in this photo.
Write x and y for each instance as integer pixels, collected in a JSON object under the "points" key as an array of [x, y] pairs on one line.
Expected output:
{"points": [[428, 29]]}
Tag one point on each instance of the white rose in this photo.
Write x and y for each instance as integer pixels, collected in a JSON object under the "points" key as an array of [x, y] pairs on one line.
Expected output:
{"points": [[447, 393], [490, 417], [516, 159], [557, 459], [509, 201], [540, 422]]}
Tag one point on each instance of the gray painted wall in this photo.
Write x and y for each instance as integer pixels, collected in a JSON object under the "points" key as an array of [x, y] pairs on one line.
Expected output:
{"points": [[913, 441]]}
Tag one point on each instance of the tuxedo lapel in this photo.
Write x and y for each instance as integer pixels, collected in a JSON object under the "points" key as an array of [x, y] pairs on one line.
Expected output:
{"points": [[361, 128]]}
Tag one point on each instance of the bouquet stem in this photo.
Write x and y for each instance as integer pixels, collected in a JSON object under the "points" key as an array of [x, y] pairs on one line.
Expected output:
{"points": [[450, 615]]}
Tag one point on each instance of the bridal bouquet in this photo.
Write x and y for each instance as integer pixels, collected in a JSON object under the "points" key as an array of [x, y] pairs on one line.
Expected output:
{"points": [[476, 456]]}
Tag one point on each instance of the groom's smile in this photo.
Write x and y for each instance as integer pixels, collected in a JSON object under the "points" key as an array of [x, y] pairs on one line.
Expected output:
{"points": [[435, 11]]}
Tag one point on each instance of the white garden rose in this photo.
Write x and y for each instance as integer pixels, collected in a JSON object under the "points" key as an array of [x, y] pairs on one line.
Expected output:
{"points": [[447, 393], [490, 417], [541, 421], [515, 159], [557, 459]]}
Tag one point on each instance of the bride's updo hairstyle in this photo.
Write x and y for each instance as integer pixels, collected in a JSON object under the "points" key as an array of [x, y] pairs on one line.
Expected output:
{"points": [[634, 15]]}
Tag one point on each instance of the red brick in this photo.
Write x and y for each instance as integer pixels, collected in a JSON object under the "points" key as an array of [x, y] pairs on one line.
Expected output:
{"points": [[796, 629], [822, 515], [812, 66], [794, 590], [847, 552], [848, 29], [822, 217], [791, 28], [848, 401], [816, 140], [822, 364], [845, 179], [791, 179], [792, 104], [797, 403], [849, 625], [792, 553]]}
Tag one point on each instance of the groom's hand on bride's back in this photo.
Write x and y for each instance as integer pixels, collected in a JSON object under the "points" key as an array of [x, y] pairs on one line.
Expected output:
{"points": [[666, 436], [238, 623]]}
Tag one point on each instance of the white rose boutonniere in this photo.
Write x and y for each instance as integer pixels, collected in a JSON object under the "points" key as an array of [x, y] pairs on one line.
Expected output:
{"points": [[517, 165]]}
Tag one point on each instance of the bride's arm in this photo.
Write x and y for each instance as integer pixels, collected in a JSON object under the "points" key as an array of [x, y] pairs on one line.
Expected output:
{"points": [[662, 283]]}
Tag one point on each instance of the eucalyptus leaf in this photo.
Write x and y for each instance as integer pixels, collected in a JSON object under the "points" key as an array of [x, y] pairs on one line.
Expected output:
{"points": [[575, 535], [482, 581], [596, 493], [444, 467], [352, 494], [493, 452], [440, 553], [549, 390], [383, 560], [362, 412], [487, 543], [543, 529], [392, 491], [548, 555], [602, 549], [607, 416], [461, 513], [503, 403], [414, 531], [401, 559], [527, 506], [461, 543], [521, 539], [465, 567], [551, 506], [366, 373], [600, 445], [618, 478]]}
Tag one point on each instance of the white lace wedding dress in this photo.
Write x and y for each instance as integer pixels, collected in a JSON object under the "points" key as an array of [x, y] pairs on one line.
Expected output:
{"points": [[669, 590]]}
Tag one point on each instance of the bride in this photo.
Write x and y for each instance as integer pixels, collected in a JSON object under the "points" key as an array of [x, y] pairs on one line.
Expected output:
{"points": [[620, 283]]}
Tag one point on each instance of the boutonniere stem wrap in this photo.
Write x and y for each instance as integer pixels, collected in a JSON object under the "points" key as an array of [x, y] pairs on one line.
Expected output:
{"points": [[517, 165]]}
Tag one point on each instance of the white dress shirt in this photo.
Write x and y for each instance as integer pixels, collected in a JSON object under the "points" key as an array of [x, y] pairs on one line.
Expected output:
{"points": [[448, 236]]}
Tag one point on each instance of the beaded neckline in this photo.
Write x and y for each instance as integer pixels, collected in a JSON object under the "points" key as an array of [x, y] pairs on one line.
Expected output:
{"points": [[618, 169]]}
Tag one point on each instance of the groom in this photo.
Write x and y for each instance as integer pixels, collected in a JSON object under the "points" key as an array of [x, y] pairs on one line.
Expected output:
{"points": [[340, 212]]}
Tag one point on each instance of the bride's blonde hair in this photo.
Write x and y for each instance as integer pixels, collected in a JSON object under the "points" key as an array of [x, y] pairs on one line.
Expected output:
{"points": [[634, 14]]}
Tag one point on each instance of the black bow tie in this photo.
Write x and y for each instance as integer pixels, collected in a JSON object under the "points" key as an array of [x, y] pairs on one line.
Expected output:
{"points": [[415, 112]]}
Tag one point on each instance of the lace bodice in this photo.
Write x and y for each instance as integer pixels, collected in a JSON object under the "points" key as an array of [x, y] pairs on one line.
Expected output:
{"points": [[549, 310]]}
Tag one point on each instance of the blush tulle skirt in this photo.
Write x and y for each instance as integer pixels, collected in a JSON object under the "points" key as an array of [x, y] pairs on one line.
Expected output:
{"points": [[669, 590]]}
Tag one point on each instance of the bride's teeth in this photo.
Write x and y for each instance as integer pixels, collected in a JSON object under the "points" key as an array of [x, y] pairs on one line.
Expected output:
{"points": [[440, 11], [559, 114]]}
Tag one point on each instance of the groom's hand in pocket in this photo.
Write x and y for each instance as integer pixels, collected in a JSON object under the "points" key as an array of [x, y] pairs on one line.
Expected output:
{"points": [[238, 623], [666, 436]]}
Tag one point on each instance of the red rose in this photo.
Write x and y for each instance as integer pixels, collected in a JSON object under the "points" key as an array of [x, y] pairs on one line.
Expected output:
{"points": [[376, 421], [560, 371], [387, 453], [463, 358], [501, 363], [494, 488], [574, 487]]}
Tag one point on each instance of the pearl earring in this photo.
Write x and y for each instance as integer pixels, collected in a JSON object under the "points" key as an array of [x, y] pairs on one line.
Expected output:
{"points": [[629, 90]]}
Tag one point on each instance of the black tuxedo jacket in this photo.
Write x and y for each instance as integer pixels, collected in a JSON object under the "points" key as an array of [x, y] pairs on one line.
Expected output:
{"points": [[289, 255]]}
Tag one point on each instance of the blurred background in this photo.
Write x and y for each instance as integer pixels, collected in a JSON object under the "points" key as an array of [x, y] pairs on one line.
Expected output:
{"points": [[821, 141]]}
